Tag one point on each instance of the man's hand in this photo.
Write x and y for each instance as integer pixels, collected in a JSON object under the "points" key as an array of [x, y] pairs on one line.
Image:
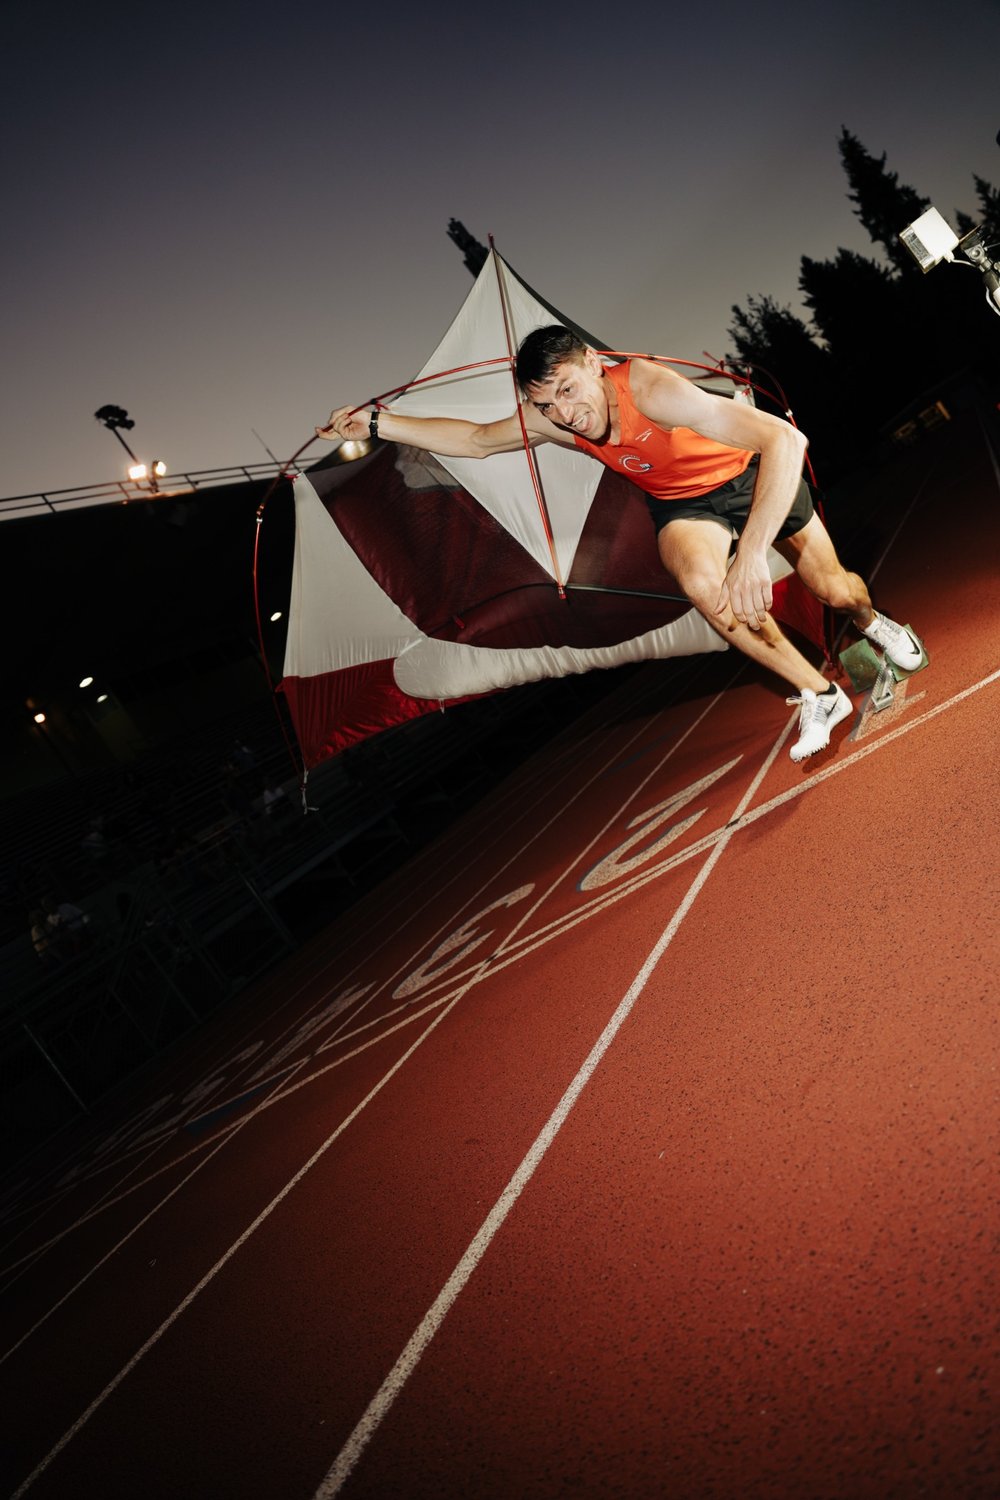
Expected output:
{"points": [[746, 590], [345, 423]]}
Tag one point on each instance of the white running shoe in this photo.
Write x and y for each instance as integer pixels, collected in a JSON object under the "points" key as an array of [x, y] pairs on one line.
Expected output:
{"points": [[819, 713], [902, 648]]}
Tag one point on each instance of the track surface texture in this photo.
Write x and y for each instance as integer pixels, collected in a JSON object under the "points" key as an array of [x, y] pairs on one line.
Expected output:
{"points": [[638, 1138]]}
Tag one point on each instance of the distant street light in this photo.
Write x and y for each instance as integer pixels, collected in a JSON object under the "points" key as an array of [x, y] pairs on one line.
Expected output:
{"points": [[114, 418]]}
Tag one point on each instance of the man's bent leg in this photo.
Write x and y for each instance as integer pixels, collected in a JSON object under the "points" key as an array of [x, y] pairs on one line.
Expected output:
{"points": [[814, 558], [696, 552]]}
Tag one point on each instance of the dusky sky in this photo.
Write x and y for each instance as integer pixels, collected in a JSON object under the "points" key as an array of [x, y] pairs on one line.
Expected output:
{"points": [[226, 218]]}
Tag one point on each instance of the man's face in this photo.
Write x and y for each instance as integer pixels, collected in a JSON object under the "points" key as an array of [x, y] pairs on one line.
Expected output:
{"points": [[575, 397]]}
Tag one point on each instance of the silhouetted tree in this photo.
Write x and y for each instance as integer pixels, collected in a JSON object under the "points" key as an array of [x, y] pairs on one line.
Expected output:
{"points": [[850, 283], [777, 345], [882, 336], [989, 207], [879, 350], [988, 216], [883, 205], [772, 338]]}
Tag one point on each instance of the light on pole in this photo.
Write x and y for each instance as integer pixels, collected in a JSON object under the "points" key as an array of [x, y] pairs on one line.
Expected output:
{"points": [[114, 418]]}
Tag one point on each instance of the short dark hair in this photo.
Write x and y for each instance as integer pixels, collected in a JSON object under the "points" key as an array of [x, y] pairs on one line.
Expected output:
{"points": [[542, 350]]}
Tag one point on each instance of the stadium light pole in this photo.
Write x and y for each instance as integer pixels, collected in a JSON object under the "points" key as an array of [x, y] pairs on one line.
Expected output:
{"points": [[114, 418]]}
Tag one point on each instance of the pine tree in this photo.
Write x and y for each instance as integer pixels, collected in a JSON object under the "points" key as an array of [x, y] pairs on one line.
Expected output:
{"points": [[773, 340], [989, 209], [778, 346], [878, 347], [883, 336], [880, 202], [849, 292]]}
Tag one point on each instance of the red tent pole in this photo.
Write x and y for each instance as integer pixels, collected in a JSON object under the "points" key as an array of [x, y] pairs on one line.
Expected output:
{"points": [[532, 466]]}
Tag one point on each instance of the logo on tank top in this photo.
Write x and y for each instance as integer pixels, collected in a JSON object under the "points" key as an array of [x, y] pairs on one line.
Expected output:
{"points": [[634, 464]]}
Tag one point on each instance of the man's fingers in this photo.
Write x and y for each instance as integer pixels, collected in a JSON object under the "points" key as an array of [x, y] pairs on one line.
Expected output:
{"points": [[748, 607]]}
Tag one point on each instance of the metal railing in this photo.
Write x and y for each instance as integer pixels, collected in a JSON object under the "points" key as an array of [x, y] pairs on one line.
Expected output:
{"points": [[133, 492]]}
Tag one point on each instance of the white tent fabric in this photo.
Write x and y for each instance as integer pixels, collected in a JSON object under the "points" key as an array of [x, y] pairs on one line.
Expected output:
{"points": [[338, 617], [450, 669], [414, 585], [568, 478]]}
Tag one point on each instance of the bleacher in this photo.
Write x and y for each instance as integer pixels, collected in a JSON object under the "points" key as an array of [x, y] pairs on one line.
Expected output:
{"points": [[194, 882]]}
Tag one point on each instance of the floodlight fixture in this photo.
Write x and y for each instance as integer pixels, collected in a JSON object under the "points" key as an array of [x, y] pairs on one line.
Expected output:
{"points": [[137, 472], [39, 718], [276, 615], [86, 681], [159, 467], [930, 239], [102, 698]]}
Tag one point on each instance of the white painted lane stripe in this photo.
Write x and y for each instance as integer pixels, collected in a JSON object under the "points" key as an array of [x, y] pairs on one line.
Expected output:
{"points": [[989, 448], [607, 760], [409, 1359], [308, 975], [223, 1260], [361, 1436], [265, 1213], [138, 1225], [873, 572], [519, 948], [117, 1191], [515, 948], [459, 982]]}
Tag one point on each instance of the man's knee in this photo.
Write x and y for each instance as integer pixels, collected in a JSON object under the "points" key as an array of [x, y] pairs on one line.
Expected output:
{"points": [[700, 584], [839, 589], [698, 572], [703, 589]]}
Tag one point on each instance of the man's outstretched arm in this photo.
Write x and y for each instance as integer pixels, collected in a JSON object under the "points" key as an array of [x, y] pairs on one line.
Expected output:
{"points": [[449, 436]]}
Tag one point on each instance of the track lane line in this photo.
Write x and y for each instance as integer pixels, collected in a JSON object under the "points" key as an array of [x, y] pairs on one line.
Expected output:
{"points": [[210, 1275], [113, 1194], [408, 1360], [223, 1260], [519, 948], [136, 1227]]}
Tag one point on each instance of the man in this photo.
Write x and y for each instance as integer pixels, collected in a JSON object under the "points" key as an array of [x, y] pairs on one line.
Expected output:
{"points": [[714, 470]]}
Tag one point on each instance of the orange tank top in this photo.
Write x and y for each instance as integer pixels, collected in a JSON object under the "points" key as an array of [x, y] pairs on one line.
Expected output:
{"points": [[668, 463]]}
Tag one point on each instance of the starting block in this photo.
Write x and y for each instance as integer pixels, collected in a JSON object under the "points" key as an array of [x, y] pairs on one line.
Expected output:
{"points": [[868, 668]]}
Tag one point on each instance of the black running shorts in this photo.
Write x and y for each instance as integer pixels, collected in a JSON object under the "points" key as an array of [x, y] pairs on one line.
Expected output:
{"points": [[729, 505]]}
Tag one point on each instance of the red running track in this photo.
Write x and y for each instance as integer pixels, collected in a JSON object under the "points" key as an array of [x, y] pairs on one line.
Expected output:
{"points": [[639, 1138]]}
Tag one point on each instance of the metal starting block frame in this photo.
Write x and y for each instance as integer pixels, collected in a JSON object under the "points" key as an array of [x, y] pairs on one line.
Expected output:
{"points": [[868, 668]]}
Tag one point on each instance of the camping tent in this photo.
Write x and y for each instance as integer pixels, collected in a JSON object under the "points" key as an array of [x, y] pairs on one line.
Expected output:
{"points": [[420, 581]]}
